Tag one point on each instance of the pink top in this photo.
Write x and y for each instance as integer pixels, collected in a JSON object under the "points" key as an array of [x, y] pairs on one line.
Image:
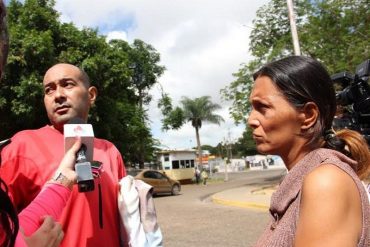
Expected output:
{"points": [[285, 201], [50, 201]]}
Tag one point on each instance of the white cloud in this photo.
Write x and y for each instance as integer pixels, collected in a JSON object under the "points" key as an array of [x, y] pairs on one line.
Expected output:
{"points": [[122, 35], [201, 42]]}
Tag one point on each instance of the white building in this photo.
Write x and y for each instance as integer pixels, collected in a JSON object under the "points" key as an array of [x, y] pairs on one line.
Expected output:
{"points": [[177, 164], [261, 162], [235, 165]]}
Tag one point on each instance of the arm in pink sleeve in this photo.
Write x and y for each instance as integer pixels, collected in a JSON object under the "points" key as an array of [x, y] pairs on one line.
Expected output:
{"points": [[50, 201], [19, 241]]}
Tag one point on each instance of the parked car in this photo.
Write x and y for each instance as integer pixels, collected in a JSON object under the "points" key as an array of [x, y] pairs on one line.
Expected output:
{"points": [[161, 182]]}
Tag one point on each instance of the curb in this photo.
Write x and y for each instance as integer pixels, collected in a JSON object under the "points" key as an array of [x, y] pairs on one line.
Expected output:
{"points": [[253, 205], [263, 191]]}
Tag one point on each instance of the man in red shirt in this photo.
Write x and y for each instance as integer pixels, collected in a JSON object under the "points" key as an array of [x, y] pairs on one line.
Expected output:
{"points": [[91, 218]]}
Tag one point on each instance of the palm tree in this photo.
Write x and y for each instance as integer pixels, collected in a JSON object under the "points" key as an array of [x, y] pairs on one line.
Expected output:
{"points": [[200, 110]]}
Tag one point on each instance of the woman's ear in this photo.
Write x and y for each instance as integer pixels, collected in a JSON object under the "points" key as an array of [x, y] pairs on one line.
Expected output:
{"points": [[309, 115]]}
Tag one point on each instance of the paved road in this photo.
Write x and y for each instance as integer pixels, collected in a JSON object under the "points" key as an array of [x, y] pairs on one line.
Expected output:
{"points": [[191, 219]]}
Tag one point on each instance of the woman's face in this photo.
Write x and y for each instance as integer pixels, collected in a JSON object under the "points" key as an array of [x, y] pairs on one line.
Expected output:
{"points": [[275, 122]]}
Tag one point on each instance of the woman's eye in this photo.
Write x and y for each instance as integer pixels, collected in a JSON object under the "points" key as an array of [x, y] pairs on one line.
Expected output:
{"points": [[261, 106]]}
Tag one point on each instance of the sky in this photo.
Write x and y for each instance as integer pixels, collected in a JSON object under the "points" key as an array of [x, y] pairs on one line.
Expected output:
{"points": [[201, 42]]}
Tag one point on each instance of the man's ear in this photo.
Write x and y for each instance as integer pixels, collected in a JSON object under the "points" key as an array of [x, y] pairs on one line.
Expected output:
{"points": [[309, 115], [93, 93]]}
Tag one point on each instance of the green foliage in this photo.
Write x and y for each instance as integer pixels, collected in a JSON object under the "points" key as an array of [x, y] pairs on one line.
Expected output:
{"points": [[145, 70], [200, 109], [245, 145], [238, 91], [165, 104], [271, 37], [334, 32], [174, 120], [38, 40], [193, 110], [212, 150], [196, 111], [337, 33]]}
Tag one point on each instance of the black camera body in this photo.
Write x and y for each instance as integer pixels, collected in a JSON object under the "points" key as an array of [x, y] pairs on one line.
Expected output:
{"points": [[354, 100]]}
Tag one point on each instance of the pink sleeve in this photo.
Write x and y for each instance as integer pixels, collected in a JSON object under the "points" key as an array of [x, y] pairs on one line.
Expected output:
{"points": [[19, 241], [50, 201]]}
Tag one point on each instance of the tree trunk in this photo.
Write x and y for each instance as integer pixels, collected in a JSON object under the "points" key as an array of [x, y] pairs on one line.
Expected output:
{"points": [[199, 147], [141, 148], [141, 157]]}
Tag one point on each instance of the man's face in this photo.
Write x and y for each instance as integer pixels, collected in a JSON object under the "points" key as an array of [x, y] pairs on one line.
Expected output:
{"points": [[66, 95]]}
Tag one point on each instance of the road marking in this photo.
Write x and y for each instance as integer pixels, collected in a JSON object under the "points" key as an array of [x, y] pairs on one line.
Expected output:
{"points": [[259, 206]]}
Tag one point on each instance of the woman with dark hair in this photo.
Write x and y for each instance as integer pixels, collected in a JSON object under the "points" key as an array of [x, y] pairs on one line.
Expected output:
{"points": [[8, 218], [38, 230], [321, 201]]}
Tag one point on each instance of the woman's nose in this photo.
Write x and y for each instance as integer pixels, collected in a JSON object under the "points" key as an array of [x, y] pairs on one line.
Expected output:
{"points": [[252, 121]]}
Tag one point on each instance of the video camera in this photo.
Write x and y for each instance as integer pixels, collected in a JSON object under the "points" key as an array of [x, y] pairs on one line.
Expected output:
{"points": [[353, 100]]}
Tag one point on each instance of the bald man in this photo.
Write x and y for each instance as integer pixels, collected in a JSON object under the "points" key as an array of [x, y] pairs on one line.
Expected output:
{"points": [[91, 218]]}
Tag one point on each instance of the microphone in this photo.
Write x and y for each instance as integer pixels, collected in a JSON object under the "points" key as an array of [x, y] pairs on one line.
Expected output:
{"points": [[3, 144], [77, 127]]}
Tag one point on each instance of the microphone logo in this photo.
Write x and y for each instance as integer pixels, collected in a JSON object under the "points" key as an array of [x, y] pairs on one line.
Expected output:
{"points": [[78, 130]]}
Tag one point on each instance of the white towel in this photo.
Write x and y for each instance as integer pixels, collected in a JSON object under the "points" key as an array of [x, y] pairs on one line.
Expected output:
{"points": [[138, 215]]}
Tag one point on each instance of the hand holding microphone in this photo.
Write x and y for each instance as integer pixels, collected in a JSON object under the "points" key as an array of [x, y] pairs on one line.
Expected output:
{"points": [[77, 128], [66, 173]]}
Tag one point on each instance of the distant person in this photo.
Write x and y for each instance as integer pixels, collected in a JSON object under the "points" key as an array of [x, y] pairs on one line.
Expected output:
{"points": [[89, 219], [197, 175], [204, 176], [321, 201]]}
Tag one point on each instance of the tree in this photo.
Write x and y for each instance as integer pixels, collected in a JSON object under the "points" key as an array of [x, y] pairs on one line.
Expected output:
{"points": [[245, 145], [334, 32], [173, 118], [270, 39], [212, 150], [145, 69], [145, 72], [38, 40], [337, 33], [196, 111]]}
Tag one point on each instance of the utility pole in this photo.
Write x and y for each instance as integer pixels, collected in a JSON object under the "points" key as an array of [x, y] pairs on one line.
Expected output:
{"points": [[227, 159], [228, 153], [293, 28]]}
